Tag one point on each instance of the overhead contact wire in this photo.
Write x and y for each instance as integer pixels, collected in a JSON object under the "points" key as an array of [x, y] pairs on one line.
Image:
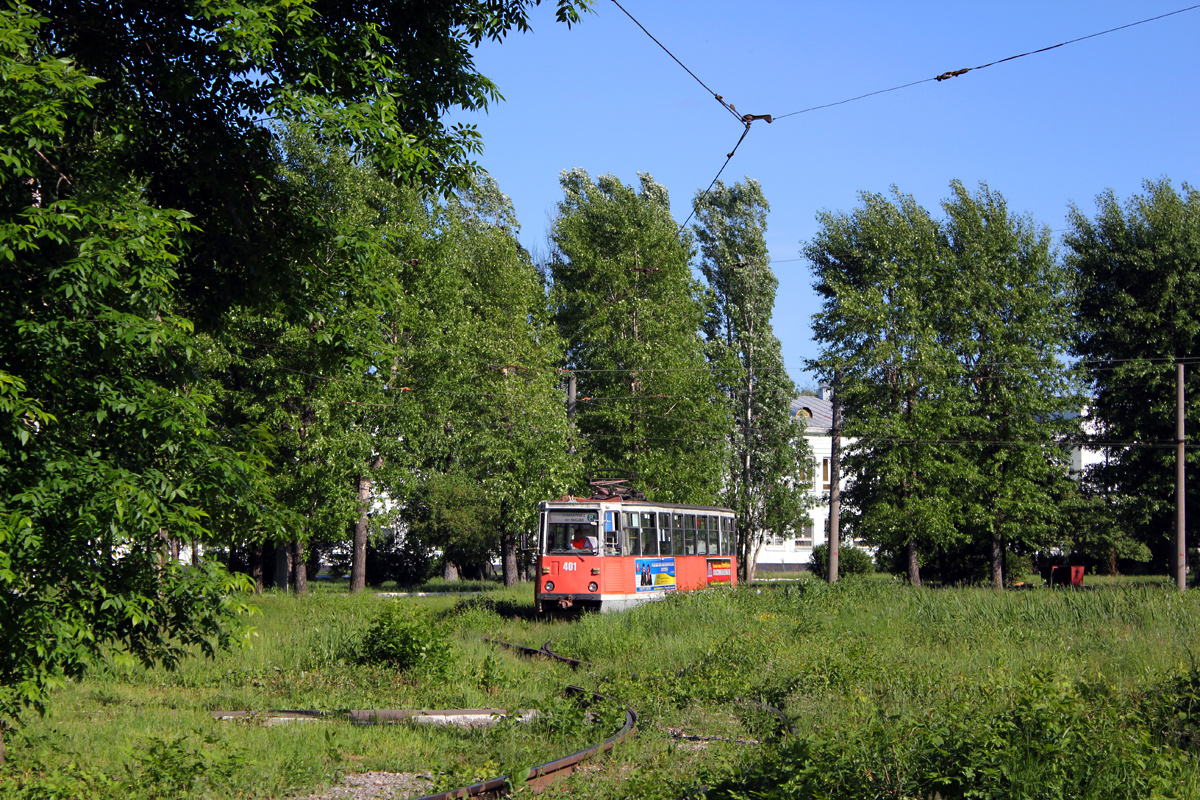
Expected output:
{"points": [[956, 73], [716, 96]]}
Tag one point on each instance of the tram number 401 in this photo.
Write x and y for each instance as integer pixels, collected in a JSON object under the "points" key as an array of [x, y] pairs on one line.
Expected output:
{"points": [[569, 566]]}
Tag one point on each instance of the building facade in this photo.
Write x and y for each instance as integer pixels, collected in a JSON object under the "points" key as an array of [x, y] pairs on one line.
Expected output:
{"points": [[791, 553]]}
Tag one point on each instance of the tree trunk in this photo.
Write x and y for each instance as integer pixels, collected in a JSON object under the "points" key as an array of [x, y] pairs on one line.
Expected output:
{"points": [[450, 571], [508, 559], [914, 564], [195, 553], [299, 569], [997, 562], [358, 561], [281, 567], [257, 557]]}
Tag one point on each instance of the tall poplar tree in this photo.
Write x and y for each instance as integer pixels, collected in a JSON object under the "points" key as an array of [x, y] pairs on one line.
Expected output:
{"points": [[1136, 270], [882, 276], [513, 441], [950, 336], [1010, 325], [630, 313], [768, 456]]}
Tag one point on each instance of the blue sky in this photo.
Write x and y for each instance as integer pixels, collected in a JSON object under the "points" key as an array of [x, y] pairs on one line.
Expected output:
{"points": [[1046, 130]]}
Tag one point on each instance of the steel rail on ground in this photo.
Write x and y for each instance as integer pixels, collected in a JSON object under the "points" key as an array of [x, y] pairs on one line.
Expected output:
{"points": [[545, 774]]}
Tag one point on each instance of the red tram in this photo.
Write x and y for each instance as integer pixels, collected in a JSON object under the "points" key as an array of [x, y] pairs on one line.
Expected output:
{"points": [[610, 552]]}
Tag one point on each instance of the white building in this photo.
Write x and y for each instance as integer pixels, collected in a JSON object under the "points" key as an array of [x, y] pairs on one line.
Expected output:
{"points": [[791, 553]]}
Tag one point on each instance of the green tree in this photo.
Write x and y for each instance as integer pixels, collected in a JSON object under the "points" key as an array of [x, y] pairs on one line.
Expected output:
{"points": [[315, 368], [630, 313], [108, 448], [502, 411], [1009, 325], [883, 278], [1136, 270], [950, 335], [768, 456], [140, 203]]}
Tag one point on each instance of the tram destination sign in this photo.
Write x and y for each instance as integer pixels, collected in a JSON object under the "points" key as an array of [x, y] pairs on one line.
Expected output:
{"points": [[576, 517]]}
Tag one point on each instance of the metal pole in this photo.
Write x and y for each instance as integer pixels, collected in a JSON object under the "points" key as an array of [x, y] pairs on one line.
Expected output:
{"points": [[1180, 494], [835, 478]]}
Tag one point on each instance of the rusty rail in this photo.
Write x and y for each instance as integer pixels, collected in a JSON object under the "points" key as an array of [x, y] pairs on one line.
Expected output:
{"points": [[545, 651], [545, 774]]}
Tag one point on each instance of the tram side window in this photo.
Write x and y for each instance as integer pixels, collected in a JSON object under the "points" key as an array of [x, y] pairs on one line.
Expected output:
{"points": [[677, 533], [732, 536], [612, 533], [664, 534], [632, 534], [701, 535], [649, 535], [689, 527], [722, 536]]}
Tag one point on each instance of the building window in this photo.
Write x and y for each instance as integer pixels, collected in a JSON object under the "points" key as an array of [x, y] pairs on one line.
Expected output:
{"points": [[825, 474], [804, 536]]}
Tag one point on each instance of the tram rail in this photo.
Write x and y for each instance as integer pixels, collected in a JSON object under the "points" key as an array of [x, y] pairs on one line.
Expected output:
{"points": [[550, 772]]}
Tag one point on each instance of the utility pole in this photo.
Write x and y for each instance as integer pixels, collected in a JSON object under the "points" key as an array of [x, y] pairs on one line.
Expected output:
{"points": [[1180, 476], [835, 477]]}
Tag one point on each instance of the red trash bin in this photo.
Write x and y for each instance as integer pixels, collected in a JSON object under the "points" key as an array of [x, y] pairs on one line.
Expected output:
{"points": [[1066, 576]]}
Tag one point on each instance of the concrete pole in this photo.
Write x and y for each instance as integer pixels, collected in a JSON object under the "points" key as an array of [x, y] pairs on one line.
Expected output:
{"points": [[835, 477], [1180, 476]]}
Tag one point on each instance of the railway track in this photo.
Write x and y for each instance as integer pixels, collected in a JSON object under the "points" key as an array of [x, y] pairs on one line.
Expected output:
{"points": [[545, 774], [537, 778]]}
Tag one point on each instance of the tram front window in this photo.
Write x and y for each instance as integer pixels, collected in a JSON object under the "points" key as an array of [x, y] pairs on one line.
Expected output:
{"points": [[571, 538]]}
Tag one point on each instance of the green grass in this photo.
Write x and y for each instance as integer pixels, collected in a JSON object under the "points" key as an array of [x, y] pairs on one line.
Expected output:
{"points": [[862, 670]]}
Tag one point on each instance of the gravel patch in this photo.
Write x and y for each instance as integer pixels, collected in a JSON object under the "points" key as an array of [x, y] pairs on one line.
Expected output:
{"points": [[381, 785]]}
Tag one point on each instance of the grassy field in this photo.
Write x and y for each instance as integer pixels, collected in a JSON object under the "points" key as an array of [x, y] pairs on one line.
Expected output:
{"points": [[886, 692]]}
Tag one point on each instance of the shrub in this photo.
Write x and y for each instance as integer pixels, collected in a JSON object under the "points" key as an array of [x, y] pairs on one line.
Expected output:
{"points": [[407, 637], [851, 561]]}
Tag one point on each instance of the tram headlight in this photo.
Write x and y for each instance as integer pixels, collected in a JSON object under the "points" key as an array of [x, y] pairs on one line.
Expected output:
{"points": [[549, 586], [592, 586]]}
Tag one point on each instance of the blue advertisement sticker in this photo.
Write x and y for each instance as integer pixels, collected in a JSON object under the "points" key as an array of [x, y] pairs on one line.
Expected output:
{"points": [[654, 574]]}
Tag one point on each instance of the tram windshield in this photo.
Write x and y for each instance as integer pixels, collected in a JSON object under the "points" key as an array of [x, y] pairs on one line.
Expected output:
{"points": [[572, 537]]}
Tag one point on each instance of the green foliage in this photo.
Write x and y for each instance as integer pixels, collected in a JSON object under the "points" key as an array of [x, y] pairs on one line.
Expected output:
{"points": [[1051, 739], [1136, 271], [452, 512], [403, 559], [767, 458], [851, 561], [851, 666], [630, 313], [408, 638], [948, 337], [183, 299]]}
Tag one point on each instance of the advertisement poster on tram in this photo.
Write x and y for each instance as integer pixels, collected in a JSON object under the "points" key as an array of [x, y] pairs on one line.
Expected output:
{"points": [[654, 574], [720, 570]]}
